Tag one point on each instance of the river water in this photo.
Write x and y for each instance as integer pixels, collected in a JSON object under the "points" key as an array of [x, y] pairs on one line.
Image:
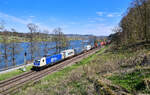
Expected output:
{"points": [[24, 47]]}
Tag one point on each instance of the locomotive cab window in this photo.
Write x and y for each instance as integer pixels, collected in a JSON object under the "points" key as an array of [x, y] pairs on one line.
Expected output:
{"points": [[70, 53]]}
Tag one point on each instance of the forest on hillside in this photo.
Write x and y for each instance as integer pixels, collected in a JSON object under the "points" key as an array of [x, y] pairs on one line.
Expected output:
{"points": [[134, 28]]}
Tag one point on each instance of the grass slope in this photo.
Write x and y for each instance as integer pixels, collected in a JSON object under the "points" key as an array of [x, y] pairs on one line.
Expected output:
{"points": [[107, 72]]}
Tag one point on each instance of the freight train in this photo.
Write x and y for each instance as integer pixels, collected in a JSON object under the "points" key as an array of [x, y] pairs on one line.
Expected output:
{"points": [[51, 60]]}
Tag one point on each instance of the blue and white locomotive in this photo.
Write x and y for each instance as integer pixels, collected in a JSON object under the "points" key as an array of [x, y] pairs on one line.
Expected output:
{"points": [[50, 60]]}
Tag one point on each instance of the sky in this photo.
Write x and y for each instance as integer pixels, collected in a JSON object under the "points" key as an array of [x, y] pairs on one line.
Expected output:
{"points": [[96, 17]]}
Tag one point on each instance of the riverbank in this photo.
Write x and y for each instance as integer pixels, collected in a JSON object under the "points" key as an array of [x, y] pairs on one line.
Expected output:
{"points": [[15, 68], [25, 39], [106, 72]]}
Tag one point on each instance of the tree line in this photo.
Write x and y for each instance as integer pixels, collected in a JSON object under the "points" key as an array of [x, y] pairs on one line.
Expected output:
{"points": [[134, 26]]}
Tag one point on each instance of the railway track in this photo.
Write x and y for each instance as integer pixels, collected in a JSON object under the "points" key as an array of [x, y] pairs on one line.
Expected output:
{"points": [[11, 85]]}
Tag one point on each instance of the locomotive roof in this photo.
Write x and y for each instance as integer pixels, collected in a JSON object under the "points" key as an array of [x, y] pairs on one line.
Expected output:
{"points": [[67, 50]]}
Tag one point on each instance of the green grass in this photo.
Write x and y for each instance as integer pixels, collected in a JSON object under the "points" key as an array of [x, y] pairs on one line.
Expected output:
{"points": [[132, 81], [18, 39], [12, 73]]}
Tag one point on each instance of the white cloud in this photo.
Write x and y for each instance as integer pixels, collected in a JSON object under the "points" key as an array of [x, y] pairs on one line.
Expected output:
{"points": [[32, 16], [96, 19], [110, 15], [71, 27], [13, 18], [16, 22], [73, 23], [94, 29], [100, 13], [98, 29], [115, 14], [44, 27]]}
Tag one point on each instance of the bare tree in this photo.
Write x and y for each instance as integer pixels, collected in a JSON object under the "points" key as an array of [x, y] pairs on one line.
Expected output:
{"points": [[2, 27], [143, 9], [92, 39], [15, 48], [4, 43], [32, 45], [45, 40], [5, 47], [65, 43], [60, 40], [116, 38]]}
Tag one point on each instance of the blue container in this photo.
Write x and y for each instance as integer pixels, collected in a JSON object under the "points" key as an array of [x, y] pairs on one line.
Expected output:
{"points": [[52, 59]]}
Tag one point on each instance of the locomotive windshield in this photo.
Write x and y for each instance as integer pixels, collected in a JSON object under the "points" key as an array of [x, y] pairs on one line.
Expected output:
{"points": [[37, 60]]}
